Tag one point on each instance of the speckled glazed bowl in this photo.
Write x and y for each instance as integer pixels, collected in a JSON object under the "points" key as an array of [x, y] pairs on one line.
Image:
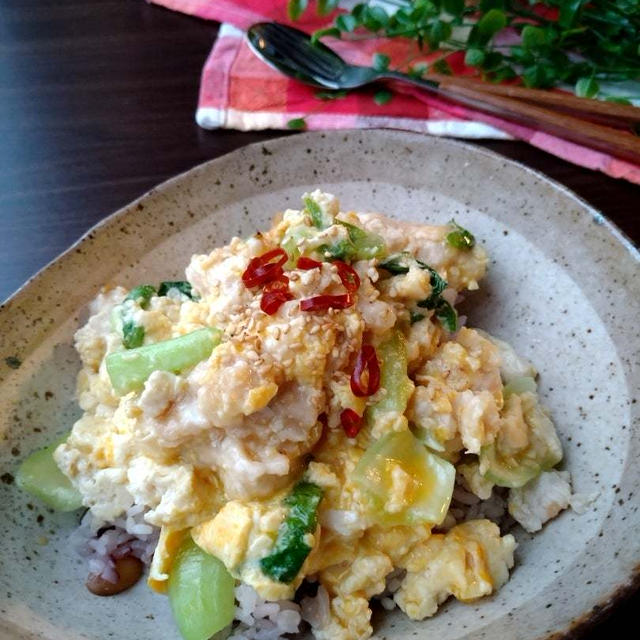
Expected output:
{"points": [[563, 288]]}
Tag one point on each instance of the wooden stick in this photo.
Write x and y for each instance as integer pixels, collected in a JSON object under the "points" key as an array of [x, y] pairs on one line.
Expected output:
{"points": [[611, 141], [608, 113]]}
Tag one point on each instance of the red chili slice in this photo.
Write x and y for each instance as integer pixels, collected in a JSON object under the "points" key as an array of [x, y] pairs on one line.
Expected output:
{"points": [[348, 276], [322, 303], [261, 269], [366, 361], [275, 294], [351, 422], [308, 263]]}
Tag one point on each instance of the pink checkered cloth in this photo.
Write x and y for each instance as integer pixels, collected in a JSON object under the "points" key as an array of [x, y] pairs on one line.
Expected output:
{"points": [[239, 91]]}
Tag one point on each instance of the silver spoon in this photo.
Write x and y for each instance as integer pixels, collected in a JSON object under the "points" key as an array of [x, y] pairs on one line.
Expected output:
{"points": [[292, 52]]}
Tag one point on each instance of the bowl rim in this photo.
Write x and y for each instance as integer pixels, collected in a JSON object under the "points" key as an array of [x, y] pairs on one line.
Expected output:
{"points": [[628, 587]]}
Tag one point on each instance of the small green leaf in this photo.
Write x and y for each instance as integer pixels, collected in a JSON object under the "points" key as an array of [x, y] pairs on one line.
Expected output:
{"points": [[442, 66], [332, 32], [297, 123], [504, 72], [533, 37], [141, 294], [328, 94], [587, 88], [487, 5], [375, 18], [132, 334], [346, 22], [382, 97], [438, 32], [182, 286], [447, 315], [569, 12], [618, 100], [453, 7], [418, 70], [491, 22], [295, 8], [460, 238], [415, 316], [492, 60], [326, 6], [474, 57], [380, 62]]}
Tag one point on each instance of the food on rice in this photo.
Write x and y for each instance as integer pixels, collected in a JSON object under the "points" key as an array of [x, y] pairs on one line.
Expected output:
{"points": [[303, 425]]}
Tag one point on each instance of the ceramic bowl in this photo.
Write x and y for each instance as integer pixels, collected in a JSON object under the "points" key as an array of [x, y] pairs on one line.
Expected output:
{"points": [[563, 288]]}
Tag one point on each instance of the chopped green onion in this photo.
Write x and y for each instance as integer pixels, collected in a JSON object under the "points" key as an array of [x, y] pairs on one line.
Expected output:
{"points": [[128, 370], [460, 238]]}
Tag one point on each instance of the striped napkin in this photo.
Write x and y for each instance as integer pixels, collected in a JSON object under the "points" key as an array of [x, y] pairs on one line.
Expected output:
{"points": [[239, 91]]}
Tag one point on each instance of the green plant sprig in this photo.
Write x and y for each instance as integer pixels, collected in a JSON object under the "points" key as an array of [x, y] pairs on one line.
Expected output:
{"points": [[578, 42]]}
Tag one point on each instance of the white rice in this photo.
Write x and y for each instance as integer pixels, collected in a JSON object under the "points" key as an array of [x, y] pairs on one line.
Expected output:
{"points": [[255, 618], [102, 543], [315, 610], [259, 619]]}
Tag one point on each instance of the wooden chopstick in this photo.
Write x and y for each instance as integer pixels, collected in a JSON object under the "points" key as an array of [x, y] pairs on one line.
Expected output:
{"points": [[612, 141], [608, 113]]}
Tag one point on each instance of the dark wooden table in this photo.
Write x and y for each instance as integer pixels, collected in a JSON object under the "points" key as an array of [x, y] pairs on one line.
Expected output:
{"points": [[97, 101]]}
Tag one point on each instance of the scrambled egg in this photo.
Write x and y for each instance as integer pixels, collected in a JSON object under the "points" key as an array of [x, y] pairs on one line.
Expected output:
{"points": [[211, 451]]}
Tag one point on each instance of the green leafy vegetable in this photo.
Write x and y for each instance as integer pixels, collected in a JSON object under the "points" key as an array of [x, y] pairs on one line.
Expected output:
{"points": [[329, 94], [389, 410], [380, 62], [200, 593], [141, 295], [590, 42], [587, 88], [423, 494], [460, 238], [128, 370], [332, 32], [320, 218], [290, 549], [360, 245], [295, 8], [400, 263], [132, 332], [40, 476], [415, 316], [326, 6], [297, 123], [182, 286], [382, 97], [507, 466], [446, 314], [292, 237]]}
